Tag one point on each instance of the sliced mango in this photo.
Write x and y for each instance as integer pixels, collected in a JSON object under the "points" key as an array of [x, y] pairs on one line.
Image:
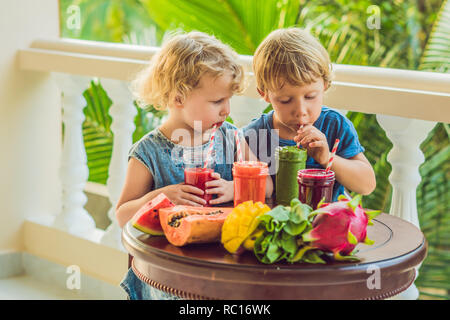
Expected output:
{"points": [[240, 224]]}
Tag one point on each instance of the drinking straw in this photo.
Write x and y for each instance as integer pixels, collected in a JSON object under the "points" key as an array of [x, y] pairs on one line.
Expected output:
{"points": [[333, 152], [298, 143], [238, 146], [211, 147]]}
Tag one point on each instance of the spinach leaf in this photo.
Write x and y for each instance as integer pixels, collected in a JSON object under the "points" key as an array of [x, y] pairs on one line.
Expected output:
{"points": [[295, 229], [282, 237]]}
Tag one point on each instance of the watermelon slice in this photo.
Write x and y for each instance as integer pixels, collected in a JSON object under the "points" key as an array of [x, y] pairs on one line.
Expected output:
{"points": [[147, 217]]}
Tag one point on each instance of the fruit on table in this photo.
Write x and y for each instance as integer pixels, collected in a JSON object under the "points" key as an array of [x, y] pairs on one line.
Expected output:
{"points": [[240, 224], [188, 224], [146, 218], [339, 226], [282, 229], [299, 234]]}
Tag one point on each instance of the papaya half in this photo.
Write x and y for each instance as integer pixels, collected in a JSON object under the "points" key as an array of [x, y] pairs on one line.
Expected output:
{"points": [[183, 225]]}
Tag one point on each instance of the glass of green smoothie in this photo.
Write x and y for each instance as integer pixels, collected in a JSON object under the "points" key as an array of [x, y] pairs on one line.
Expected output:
{"points": [[289, 160]]}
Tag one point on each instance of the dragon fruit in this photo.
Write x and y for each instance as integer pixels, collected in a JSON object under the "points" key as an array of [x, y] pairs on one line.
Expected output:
{"points": [[338, 227]]}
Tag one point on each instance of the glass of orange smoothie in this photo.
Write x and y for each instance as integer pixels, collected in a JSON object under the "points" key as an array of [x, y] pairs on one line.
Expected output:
{"points": [[249, 181]]}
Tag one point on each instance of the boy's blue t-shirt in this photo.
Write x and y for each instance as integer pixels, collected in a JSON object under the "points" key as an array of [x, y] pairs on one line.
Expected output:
{"points": [[263, 139]]}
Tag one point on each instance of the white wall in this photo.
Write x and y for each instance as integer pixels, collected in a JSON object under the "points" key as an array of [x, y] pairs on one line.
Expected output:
{"points": [[30, 122]]}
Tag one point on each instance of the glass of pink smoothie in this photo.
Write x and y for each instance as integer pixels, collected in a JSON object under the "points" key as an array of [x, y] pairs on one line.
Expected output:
{"points": [[198, 177]]}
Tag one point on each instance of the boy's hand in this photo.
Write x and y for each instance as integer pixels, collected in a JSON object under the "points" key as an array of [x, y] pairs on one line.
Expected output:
{"points": [[315, 143], [223, 188], [184, 194]]}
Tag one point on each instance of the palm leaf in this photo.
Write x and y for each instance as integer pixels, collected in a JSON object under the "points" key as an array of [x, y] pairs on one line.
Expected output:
{"points": [[241, 24], [98, 138], [437, 52], [97, 134]]}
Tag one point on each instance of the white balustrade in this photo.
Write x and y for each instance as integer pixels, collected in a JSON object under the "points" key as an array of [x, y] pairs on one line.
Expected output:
{"points": [[74, 170], [122, 112], [405, 157]]}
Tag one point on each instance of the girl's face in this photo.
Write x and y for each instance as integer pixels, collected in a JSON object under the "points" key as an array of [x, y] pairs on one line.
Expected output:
{"points": [[209, 102], [295, 106]]}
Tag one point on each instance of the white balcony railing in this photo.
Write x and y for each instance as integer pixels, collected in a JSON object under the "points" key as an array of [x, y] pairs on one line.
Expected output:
{"points": [[407, 104]]}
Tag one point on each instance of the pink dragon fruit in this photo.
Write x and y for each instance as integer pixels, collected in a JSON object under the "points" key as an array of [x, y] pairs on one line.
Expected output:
{"points": [[339, 226]]}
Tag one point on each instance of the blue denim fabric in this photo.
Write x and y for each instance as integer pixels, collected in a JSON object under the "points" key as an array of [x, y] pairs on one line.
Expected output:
{"points": [[166, 160], [139, 290]]}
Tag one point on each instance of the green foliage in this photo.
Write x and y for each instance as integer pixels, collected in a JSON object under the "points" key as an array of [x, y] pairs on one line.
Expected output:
{"points": [[433, 205], [241, 24], [146, 120], [98, 138], [97, 134], [107, 20], [433, 193], [437, 54]]}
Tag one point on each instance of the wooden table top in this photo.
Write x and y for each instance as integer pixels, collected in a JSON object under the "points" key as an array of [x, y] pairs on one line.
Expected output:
{"points": [[208, 271]]}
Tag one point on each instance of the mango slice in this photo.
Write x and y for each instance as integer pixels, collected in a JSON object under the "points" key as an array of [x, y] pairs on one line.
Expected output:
{"points": [[240, 224]]}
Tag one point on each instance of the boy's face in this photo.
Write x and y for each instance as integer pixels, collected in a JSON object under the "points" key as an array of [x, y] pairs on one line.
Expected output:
{"points": [[209, 102], [295, 105]]}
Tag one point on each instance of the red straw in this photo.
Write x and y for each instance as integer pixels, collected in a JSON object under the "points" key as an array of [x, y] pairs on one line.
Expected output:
{"points": [[211, 147], [333, 152], [238, 146]]}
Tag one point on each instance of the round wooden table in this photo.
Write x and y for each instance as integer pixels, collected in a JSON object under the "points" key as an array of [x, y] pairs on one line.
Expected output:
{"points": [[208, 271]]}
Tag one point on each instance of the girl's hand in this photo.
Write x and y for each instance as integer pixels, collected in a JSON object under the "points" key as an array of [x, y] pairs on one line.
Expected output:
{"points": [[223, 188], [315, 143], [184, 194]]}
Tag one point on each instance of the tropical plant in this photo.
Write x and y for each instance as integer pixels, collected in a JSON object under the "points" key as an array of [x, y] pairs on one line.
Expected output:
{"points": [[433, 205], [97, 134], [406, 40], [433, 193], [106, 20], [241, 24], [437, 52]]}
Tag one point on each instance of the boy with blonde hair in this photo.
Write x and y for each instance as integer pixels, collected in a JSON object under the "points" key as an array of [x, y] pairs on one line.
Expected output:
{"points": [[293, 71]]}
